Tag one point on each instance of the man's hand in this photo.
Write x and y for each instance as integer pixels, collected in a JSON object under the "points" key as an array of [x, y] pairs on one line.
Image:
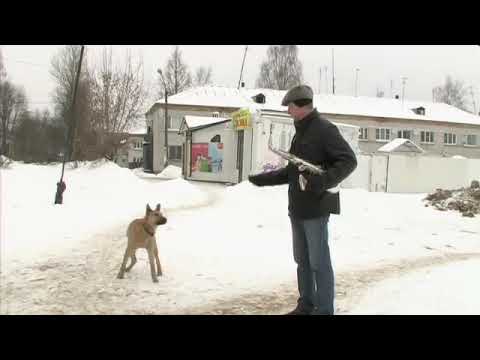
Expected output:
{"points": [[311, 182]]}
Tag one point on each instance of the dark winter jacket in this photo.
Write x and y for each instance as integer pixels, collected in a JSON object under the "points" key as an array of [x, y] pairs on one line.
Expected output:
{"points": [[318, 141]]}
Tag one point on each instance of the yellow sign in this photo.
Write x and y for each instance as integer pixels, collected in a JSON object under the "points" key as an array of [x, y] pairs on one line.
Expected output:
{"points": [[241, 119]]}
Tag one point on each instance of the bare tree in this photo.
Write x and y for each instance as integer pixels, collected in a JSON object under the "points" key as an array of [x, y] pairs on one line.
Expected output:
{"points": [[203, 76], [282, 69], [177, 75], [13, 103], [452, 92], [3, 72], [64, 66], [117, 96]]}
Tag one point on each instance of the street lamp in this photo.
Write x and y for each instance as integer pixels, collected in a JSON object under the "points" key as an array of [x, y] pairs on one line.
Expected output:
{"points": [[166, 115]]}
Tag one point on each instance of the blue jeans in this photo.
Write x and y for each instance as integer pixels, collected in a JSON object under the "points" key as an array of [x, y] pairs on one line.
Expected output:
{"points": [[314, 266]]}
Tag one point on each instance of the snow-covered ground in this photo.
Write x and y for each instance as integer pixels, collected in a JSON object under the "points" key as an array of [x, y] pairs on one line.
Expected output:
{"points": [[223, 250], [449, 289]]}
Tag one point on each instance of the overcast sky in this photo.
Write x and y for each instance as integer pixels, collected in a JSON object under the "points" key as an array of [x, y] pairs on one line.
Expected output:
{"points": [[424, 66]]}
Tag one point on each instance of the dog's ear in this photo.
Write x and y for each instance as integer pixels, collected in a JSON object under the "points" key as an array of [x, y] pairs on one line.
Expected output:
{"points": [[148, 209], [158, 207]]}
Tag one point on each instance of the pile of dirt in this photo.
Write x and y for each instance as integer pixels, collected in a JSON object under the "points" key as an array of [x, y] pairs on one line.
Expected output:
{"points": [[465, 200]]}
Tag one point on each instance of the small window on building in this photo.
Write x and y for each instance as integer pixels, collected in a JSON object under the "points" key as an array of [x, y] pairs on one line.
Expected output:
{"points": [[382, 134], [363, 134], [259, 98], [216, 114], [426, 137], [419, 111], [216, 139], [175, 152], [450, 139], [472, 140], [405, 134]]}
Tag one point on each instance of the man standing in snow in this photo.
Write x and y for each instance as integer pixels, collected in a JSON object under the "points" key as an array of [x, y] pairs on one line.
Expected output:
{"points": [[317, 141]]}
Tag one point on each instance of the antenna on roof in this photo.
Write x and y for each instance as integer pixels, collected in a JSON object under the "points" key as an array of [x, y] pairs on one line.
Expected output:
{"points": [[241, 71], [404, 79]]}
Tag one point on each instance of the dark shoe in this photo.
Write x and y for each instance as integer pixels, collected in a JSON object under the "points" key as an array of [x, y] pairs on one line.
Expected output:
{"points": [[298, 311]]}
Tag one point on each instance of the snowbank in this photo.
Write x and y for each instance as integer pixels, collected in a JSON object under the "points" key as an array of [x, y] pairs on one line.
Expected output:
{"points": [[98, 196]]}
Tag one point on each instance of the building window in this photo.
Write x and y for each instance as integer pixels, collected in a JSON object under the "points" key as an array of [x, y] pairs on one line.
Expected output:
{"points": [[169, 122], [216, 114], [137, 145], [450, 139], [426, 137], [175, 152], [405, 134], [382, 134], [472, 140], [363, 134]]}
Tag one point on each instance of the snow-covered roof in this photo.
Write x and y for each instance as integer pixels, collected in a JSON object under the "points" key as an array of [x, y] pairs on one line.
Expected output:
{"points": [[142, 130], [193, 122], [215, 96], [398, 143]]}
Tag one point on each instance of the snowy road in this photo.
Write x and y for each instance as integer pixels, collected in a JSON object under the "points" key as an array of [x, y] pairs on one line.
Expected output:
{"points": [[85, 283]]}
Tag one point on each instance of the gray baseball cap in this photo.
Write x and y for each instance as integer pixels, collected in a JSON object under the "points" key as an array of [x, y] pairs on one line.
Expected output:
{"points": [[297, 93]]}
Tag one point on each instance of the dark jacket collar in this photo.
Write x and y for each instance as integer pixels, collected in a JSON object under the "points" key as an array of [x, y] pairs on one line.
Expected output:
{"points": [[302, 125]]}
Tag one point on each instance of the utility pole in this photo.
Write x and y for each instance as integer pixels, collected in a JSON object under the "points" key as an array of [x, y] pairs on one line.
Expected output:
{"points": [[241, 71], [70, 138], [333, 71]]}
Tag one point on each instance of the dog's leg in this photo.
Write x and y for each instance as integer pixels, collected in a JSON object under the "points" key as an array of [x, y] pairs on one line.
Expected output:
{"points": [[133, 261], [159, 267], [124, 263], [152, 263]]}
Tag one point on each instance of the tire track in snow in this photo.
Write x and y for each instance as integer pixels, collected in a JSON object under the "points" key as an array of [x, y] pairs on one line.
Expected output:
{"points": [[350, 286]]}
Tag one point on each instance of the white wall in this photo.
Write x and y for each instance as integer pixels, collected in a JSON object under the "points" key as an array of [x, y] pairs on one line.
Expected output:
{"points": [[420, 174], [360, 177], [412, 173]]}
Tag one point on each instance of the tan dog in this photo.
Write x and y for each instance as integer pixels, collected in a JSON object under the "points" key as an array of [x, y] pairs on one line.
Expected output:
{"points": [[141, 234]]}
